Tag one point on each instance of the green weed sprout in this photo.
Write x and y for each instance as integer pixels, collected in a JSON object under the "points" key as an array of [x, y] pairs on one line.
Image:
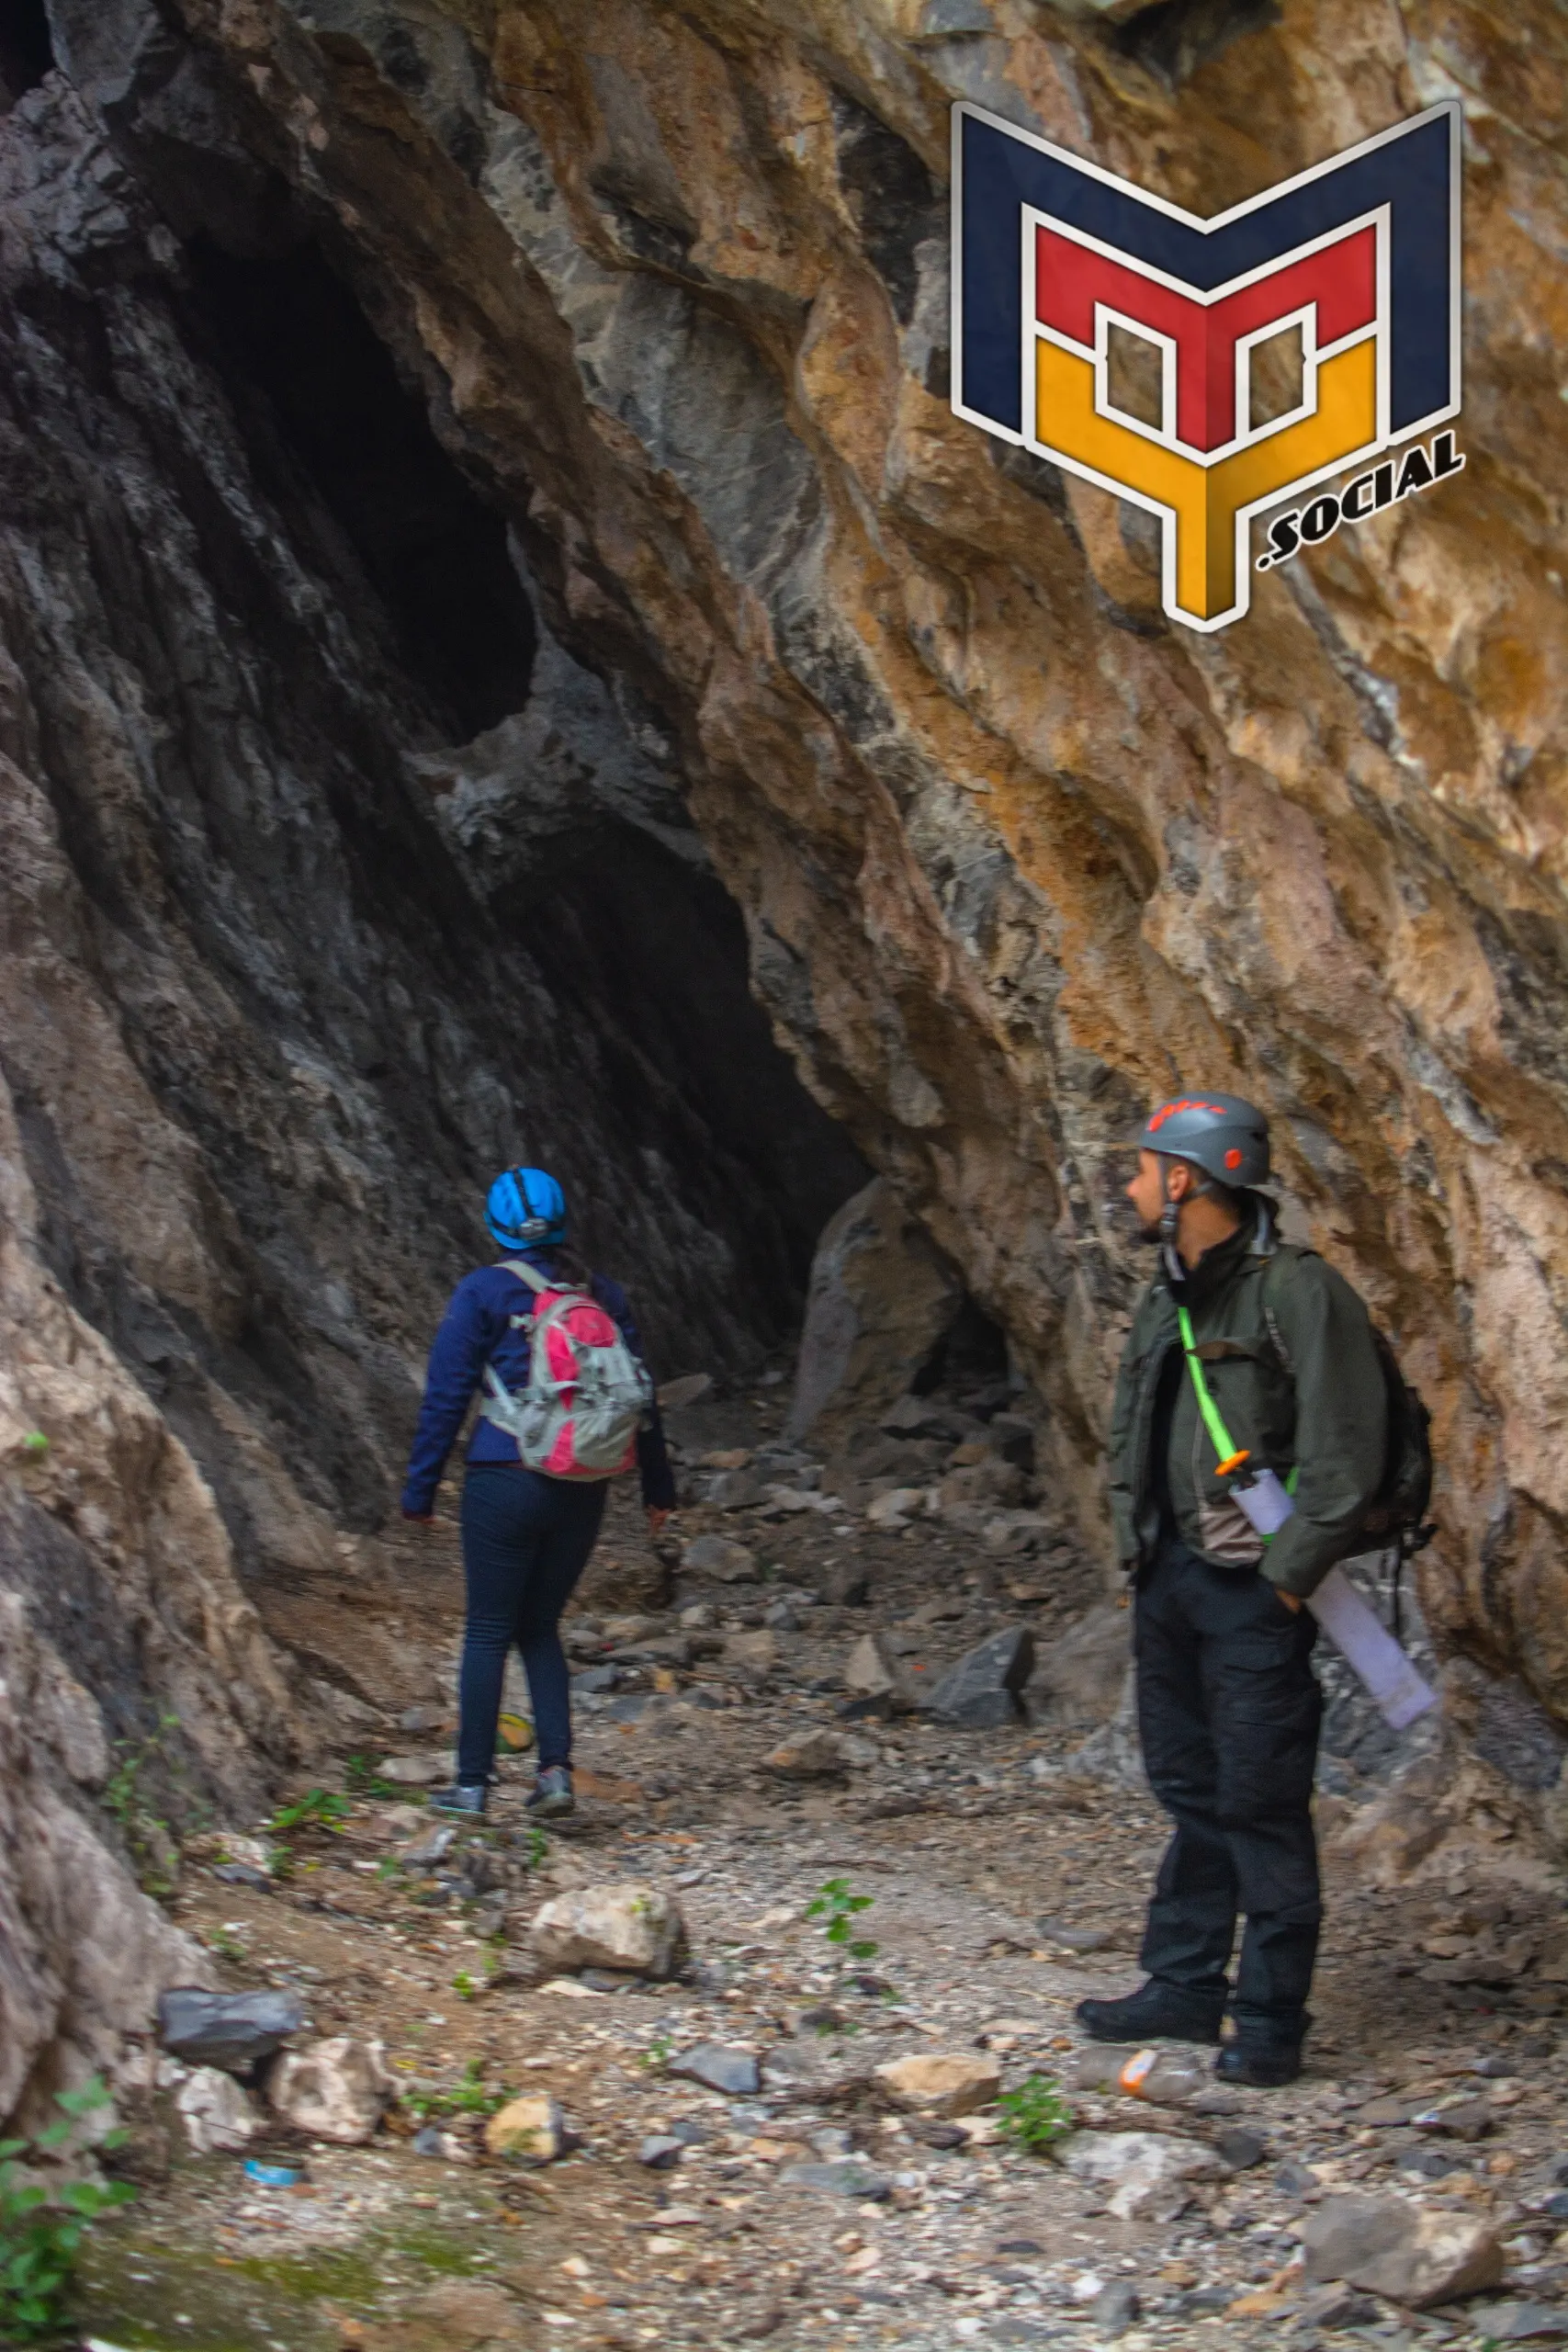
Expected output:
{"points": [[35, 1445], [317, 1809], [41, 2228], [835, 1904], [1034, 2116]]}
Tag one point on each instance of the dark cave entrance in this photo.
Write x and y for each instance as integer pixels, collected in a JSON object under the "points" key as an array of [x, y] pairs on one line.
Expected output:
{"points": [[27, 48], [638, 942], [289, 331]]}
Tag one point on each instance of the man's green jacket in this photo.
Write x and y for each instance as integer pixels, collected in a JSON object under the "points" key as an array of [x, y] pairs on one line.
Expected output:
{"points": [[1288, 1356]]}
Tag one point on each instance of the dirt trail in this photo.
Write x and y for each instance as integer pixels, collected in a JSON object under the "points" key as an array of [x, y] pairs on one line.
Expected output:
{"points": [[910, 2233]]}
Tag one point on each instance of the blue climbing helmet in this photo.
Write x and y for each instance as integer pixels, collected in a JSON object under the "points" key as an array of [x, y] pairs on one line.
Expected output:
{"points": [[525, 1209]]}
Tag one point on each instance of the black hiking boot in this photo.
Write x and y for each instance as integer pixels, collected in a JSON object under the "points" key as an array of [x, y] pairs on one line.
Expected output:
{"points": [[1155, 2012], [1260, 2065], [464, 1796], [552, 1794]]}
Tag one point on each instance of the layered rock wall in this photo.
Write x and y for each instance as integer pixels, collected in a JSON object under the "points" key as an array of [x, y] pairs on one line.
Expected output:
{"points": [[1014, 854]]}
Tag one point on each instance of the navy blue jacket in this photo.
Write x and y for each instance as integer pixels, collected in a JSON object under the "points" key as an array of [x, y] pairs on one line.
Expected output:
{"points": [[476, 1330]]}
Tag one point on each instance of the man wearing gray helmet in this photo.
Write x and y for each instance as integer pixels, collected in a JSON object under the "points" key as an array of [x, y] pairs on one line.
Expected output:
{"points": [[1250, 1398]]}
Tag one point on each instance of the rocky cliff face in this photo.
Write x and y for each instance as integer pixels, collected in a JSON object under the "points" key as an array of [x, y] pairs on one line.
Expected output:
{"points": [[1013, 855], [483, 506], [332, 883]]}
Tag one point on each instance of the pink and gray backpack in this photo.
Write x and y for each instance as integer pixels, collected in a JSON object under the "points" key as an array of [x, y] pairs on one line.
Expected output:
{"points": [[587, 1394]]}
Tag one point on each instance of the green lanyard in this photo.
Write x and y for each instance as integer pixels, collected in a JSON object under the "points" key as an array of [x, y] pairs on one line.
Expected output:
{"points": [[1224, 1445]]}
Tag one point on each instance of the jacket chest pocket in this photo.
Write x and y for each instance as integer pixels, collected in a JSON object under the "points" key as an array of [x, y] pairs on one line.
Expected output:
{"points": [[1253, 1394]]}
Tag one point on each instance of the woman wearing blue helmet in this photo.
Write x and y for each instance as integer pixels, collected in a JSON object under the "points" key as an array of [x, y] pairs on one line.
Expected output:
{"points": [[527, 1536]]}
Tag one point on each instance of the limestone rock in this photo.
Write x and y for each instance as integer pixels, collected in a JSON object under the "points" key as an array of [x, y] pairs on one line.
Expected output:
{"points": [[751, 1657], [717, 1556], [1145, 2171], [982, 1688], [733, 2072], [636, 1930], [217, 2116], [1079, 1678], [535, 2128], [1415, 2255], [882, 1297], [942, 2083], [415, 1771], [872, 1670], [897, 1507], [815, 1756], [337, 2089]]}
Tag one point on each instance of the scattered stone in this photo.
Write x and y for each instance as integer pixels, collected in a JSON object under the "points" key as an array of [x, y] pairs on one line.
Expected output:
{"points": [[1242, 2149], [736, 1490], [845, 2178], [216, 2115], [431, 1847], [881, 1296], [233, 2031], [872, 1672], [942, 2083], [938, 2135], [332, 2090], [1413, 2255], [1293, 2180], [634, 1930], [1079, 1679], [418, 1720], [415, 1771], [674, 1394], [734, 2072], [815, 1756], [751, 1657], [847, 1585], [1147, 2172], [896, 1508], [717, 1556], [533, 2128], [1116, 2308], [981, 1689], [661, 2152], [243, 1874], [1057, 1931], [1517, 2323], [1468, 2118]]}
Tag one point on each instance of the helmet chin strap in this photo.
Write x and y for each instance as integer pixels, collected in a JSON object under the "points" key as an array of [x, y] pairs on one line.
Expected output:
{"points": [[1169, 1220]]}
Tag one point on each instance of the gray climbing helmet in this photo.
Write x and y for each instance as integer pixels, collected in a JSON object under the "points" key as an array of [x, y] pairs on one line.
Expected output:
{"points": [[1225, 1137]]}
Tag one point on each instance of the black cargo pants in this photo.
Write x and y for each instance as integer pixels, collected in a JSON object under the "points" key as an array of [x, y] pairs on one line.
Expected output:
{"points": [[1228, 1711]]}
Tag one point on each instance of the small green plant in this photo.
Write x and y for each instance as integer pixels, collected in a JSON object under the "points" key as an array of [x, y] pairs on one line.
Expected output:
{"points": [[466, 1987], [42, 2227], [317, 1809], [35, 1445], [227, 1947], [1035, 2116], [657, 2055], [834, 1904], [536, 1850], [150, 1841], [387, 1869], [362, 1779], [468, 2096]]}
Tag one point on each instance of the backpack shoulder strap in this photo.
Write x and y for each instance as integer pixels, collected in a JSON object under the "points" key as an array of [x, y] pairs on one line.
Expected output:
{"points": [[529, 1274]]}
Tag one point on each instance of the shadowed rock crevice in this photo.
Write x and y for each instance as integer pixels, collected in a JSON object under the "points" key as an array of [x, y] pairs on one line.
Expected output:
{"points": [[27, 52]]}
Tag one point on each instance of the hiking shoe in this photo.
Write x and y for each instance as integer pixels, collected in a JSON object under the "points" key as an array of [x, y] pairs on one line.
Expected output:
{"points": [[1260, 2065], [1155, 2012], [552, 1794], [464, 1796]]}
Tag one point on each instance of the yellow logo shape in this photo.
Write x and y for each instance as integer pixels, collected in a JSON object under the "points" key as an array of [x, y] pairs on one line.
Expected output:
{"points": [[1206, 507]]}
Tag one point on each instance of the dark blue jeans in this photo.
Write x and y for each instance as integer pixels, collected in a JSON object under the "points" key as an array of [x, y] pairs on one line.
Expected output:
{"points": [[526, 1540]]}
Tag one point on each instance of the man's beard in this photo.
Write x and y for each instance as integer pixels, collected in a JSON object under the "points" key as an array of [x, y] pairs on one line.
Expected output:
{"points": [[1152, 1234]]}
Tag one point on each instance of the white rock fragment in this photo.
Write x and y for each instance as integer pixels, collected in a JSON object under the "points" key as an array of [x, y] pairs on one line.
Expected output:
{"points": [[217, 2116], [638, 1930], [333, 2090]]}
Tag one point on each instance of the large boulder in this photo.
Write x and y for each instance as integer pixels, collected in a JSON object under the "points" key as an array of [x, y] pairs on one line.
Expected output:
{"points": [[336, 2089], [637, 1929], [982, 1690], [1079, 1679], [1416, 2255], [882, 1295]]}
